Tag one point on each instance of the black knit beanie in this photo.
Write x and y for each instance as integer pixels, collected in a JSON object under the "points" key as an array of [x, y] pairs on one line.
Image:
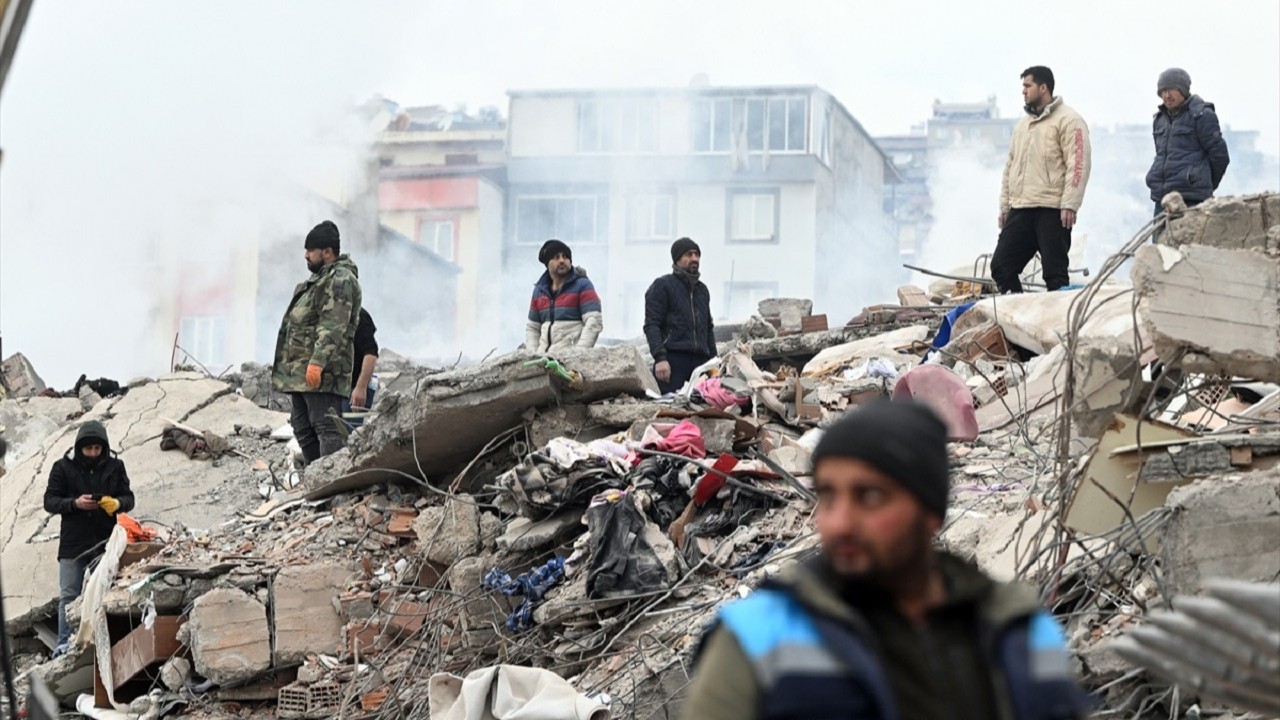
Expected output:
{"points": [[682, 246], [324, 235], [902, 439], [1175, 78], [551, 248]]}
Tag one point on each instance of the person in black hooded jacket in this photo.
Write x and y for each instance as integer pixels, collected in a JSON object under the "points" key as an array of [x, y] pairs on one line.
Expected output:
{"points": [[677, 319], [87, 487]]}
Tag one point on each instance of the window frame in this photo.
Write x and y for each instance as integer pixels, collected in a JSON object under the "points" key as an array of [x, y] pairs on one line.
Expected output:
{"points": [[600, 232], [618, 115], [205, 329], [632, 197], [750, 285], [421, 220], [739, 107], [732, 193]]}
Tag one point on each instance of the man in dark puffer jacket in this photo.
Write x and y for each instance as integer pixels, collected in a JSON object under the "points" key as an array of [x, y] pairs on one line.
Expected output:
{"points": [[1191, 154], [677, 319], [87, 487]]}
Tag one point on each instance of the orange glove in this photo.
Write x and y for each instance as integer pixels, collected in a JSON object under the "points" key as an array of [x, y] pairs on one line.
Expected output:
{"points": [[313, 376], [109, 504]]}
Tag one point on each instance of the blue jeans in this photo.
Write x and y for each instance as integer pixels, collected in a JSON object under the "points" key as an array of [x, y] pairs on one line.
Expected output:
{"points": [[70, 580]]}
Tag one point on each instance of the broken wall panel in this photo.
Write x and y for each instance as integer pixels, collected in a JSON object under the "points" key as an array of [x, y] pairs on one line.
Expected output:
{"points": [[1212, 310]]}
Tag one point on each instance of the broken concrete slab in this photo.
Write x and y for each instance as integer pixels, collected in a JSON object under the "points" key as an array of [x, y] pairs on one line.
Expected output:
{"points": [[304, 620], [1106, 371], [1230, 223], [623, 413], [20, 377], [449, 532], [1212, 310], [454, 414], [717, 433], [230, 411], [228, 636], [1224, 527], [523, 534], [832, 359], [1039, 321], [143, 414], [24, 430]]}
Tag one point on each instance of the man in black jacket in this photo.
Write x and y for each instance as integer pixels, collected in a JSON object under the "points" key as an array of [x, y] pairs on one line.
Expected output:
{"points": [[87, 487], [1191, 154], [366, 359], [677, 319]]}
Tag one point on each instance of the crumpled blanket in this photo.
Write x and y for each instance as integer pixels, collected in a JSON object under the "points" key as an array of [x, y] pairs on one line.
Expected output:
{"points": [[532, 585], [683, 439], [509, 692], [205, 446], [718, 395]]}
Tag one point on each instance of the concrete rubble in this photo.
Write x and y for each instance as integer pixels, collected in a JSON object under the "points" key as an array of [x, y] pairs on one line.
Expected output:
{"points": [[563, 516]]}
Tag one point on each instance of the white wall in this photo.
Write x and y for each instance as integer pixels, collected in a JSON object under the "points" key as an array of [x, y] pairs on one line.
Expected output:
{"points": [[542, 127]]}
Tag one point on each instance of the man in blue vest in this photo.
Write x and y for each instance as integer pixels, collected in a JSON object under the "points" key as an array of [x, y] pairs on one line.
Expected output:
{"points": [[880, 625]]}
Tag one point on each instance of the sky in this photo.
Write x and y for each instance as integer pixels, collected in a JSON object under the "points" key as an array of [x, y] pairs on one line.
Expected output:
{"points": [[136, 128]]}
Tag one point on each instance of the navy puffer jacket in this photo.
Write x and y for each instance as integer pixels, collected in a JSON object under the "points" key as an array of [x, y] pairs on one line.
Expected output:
{"points": [[1191, 154]]}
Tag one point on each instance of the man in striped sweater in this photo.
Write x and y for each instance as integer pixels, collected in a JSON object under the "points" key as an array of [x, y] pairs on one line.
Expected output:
{"points": [[564, 311]]}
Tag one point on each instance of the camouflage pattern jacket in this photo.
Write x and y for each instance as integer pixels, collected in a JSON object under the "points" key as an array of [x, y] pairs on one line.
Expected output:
{"points": [[319, 328]]}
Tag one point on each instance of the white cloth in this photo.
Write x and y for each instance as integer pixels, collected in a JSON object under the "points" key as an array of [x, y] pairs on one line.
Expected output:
{"points": [[509, 692]]}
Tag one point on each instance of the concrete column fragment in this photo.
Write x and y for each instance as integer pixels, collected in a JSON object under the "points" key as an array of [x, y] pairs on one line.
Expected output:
{"points": [[304, 619], [228, 635]]}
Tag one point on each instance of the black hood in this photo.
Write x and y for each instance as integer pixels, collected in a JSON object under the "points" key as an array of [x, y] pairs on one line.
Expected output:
{"points": [[90, 433]]}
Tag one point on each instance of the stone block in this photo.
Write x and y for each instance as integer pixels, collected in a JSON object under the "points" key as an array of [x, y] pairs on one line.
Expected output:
{"points": [[523, 534], [230, 641], [1230, 223], [1226, 526], [449, 532], [20, 377], [305, 620], [1211, 310], [779, 307]]}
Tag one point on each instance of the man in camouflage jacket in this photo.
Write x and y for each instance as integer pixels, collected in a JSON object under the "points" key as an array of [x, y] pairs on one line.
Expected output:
{"points": [[314, 348]]}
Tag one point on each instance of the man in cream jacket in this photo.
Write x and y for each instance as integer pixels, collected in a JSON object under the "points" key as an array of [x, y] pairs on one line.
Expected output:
{"points": [[1043, 186]]}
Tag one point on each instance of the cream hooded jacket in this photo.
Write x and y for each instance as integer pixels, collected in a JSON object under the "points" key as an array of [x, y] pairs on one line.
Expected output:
{"points": [[1048, 163]]}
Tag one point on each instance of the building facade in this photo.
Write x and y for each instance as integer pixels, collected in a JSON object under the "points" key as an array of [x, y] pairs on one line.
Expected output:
{"points": [[780, 186]]}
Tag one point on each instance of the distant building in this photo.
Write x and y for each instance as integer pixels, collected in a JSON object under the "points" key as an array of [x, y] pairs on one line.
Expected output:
{"points": [[440, 183], [974, 128], [780, 186]]}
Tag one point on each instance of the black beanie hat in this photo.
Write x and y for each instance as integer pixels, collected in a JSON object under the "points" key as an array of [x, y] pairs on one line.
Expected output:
{"points": [[682, 246], [551, 248], [324, 235], [902, 439]]}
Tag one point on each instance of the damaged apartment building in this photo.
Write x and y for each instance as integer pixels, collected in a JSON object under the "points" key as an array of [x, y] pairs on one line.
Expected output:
{"points": [[554, 523]]}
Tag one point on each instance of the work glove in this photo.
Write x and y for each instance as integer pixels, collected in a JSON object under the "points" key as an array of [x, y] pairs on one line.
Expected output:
{"points": [[109, 504], [313, 376]]}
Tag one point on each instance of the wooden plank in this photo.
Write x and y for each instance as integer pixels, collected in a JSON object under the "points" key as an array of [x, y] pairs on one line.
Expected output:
{"points": [[145, 647]]}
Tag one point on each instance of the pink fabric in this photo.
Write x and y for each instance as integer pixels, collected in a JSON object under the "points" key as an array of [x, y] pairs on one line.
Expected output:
{"points": [[945, 393], [714, 393], [683, 439]]}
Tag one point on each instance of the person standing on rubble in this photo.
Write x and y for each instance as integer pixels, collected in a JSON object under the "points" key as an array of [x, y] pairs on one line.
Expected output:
{"points": [[881, 624], [677, 319], [87, 487], [1042, 187], [564, 311], [1191, 154], [315, 346], [364, 361]]}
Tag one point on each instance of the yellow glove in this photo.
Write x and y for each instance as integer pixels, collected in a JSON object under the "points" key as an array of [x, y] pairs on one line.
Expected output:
{"points": [[109, 504]]}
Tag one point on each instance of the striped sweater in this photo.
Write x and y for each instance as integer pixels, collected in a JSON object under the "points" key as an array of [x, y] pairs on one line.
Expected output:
{"points": [[566, 319]]}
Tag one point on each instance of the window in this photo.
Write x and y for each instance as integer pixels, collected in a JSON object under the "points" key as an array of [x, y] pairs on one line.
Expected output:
{"points": [[437, 236], [571, 218], [742, 299], [617, 126], [753, 216], [651, 217], [777, 124], [204, 338]]}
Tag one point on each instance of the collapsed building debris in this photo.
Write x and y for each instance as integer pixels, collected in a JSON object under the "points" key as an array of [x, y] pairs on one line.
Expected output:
{"points": [[528, 524]]}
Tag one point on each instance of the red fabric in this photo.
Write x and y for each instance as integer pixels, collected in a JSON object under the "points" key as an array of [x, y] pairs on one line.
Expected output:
{"points": [[711, 483], [714, 393], [133, 530], [683, 439]]}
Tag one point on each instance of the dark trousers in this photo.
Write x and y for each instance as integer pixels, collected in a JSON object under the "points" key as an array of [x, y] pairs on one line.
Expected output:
{"points": [[1028, 231], [682, 366], [316, 431]]}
